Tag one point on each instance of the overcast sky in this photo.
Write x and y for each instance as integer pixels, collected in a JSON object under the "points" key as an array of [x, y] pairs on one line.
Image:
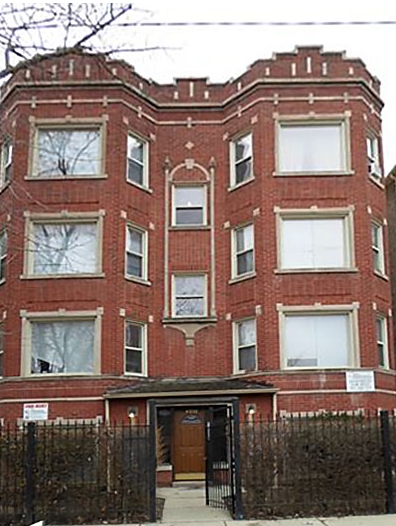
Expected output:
{"points": [[221, 53]]}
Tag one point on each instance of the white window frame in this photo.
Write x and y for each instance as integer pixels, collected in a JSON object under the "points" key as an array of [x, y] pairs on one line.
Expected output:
{"points": [[143, 255], [3, 255], [144, 164], [77, 124], [235, 253], [373, 157], [377, 249], [205, 295], [204, 206], [318, 120], [234, 161], [6, 162], [345, 214], [29, 318], [237, 346], [33, 219], [142, 350], [382, 343], [351, 311], [1, 350]]}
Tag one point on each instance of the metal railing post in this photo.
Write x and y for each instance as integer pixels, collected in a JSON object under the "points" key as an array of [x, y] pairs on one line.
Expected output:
{"points": [[387, 457], [239, 515], [29, 471], [152, 477]]}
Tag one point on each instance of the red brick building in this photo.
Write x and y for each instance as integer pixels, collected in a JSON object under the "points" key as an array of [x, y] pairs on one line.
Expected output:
{"points": [[193, 244]]}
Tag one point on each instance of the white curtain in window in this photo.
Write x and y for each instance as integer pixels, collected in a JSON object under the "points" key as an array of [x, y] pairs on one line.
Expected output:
{"points": [[313, 243], [189, 196], [247, 333], [63, 347], [310, 148], [66, 248], [190, 293], [317, 340]]}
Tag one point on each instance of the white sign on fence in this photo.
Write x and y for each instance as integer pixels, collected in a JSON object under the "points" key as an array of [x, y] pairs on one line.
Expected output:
{"points": [[36, 411], [360, 381]]}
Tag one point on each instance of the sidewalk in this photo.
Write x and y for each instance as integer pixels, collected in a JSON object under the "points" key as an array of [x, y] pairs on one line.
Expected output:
{"points": [[368, 520]]}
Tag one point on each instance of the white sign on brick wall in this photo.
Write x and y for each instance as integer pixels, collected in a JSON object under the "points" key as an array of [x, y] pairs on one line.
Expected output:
{"points": [[360, 381], [35, 411]]}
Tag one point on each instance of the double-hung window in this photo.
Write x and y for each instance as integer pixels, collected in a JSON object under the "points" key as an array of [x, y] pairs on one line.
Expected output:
{"points": [[135, 348], [6, 162], [136, 253], [66, 150], [189, 206], [318, 339], [3, 255], [373, 157], [382, 341], [312, 147], [61, 344], [242, 251], [189, 296], [245, 354], [68, 246], [377, 246], [137, 161], [241, 159]]}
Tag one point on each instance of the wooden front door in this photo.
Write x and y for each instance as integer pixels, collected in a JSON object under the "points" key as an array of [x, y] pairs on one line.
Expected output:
{"points": [[189, 444]]}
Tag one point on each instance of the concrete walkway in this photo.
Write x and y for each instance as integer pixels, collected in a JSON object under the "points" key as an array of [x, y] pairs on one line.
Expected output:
{"points": [[185, 506]]}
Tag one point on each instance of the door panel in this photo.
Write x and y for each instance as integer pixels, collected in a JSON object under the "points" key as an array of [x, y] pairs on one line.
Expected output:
{"points": [[188, 442]]}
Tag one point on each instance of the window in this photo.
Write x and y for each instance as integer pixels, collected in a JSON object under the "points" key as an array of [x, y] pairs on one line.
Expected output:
{"points": [[135, 348], [68, 247], [306, 147], [189, 206], [137, 165], [65, 151], [189, 296], [60, 344], [317, 339], [245, 346], [317, 241], [3, 255], [373, 158], [6, 162], [377, 245], [242, 160], [382, 342], [136, 259], [1, 350], [242, 251]]}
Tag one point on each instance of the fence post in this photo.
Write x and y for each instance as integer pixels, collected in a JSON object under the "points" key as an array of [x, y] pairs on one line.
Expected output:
{"points": [[29, 472], [387, 456], [239, 515], [152, 461]]}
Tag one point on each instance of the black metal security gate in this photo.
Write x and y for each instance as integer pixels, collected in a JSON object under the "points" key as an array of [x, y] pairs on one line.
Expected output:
{"points": [[223, 483]]}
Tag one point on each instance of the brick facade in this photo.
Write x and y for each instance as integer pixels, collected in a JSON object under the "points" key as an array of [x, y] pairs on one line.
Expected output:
{"points": [[188, 133]]}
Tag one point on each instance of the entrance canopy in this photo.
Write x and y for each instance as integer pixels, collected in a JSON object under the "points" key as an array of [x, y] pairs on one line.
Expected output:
{"points": [[186, 387]]}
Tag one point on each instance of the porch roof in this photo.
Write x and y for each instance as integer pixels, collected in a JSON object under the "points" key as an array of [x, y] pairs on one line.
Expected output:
{"points": [[164, 387]]}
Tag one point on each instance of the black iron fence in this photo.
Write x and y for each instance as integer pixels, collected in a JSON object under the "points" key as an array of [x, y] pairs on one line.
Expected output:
{"points": [[323, 465], [75, 474], [84, 474]]}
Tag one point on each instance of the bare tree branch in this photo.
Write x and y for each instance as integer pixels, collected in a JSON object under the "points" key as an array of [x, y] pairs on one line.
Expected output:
{"points": [[30, 30]]}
